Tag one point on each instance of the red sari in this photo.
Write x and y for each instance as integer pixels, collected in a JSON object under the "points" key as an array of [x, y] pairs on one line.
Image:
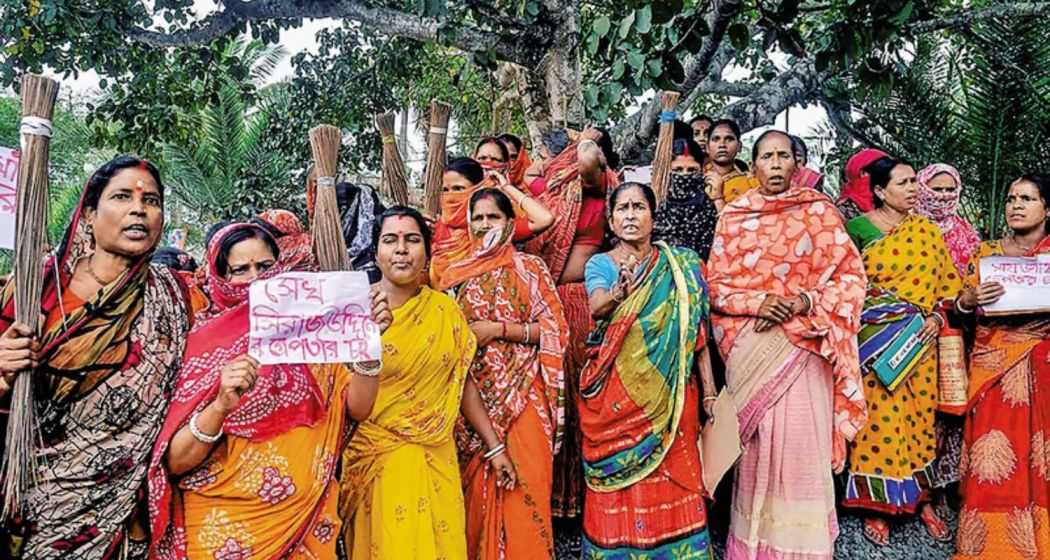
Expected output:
{"points": [[1005, 465], [564, 197]]}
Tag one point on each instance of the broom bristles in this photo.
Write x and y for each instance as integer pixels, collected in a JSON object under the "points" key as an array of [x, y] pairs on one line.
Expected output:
{"points": [[329, 245], [394, 181], [436, 138], [23, 435], [663, 156]]}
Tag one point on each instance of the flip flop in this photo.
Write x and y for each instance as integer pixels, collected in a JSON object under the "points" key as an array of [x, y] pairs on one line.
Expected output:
{"points": [[877, 531], [935, 526]]}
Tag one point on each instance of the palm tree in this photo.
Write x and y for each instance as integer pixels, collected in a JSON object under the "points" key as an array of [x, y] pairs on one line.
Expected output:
{"points": [[978, 100]]}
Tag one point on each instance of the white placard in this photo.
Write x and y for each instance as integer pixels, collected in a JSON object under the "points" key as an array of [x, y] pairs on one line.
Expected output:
{"points": [[1027, 283], [8, 200], [312, 318]]}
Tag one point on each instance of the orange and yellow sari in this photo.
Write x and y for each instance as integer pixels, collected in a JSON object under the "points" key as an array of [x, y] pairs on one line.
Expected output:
{"points": [[401, 494], [522, 386], [891, 460], [1005, 465]]}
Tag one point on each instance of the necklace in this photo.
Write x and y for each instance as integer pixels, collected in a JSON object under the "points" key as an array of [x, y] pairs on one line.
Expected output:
{"points": [[91, 271], [1013, 239], [886, 221]]}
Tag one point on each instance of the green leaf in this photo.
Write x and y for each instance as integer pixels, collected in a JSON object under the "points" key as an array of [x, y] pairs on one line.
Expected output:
{"points": [[625, 25], [655, 67], [635, 59], [532, 8], [615, 92], [601, 26], [643, 19], [739, 36], [590, 95], [592, 44], [617, 70]]}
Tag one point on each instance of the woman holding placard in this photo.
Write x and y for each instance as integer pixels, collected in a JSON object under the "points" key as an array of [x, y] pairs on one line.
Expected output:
{"points": [[910, 272], [401, 495], [1006, 452], [246, 461]]}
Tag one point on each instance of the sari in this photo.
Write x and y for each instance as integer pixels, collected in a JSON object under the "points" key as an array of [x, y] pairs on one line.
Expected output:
{"points": [[518, 167], [856, 197], [961, 239], [796, 386], [688, 217], [565, 197], [522, 387], [735, 184], [401, 495], [269, 489], [639, 417], [106, 369], [892, 460], [1005, 464], [808, 178]]}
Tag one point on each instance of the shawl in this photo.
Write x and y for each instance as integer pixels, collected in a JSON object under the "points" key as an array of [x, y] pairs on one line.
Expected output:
{"points": [[633, 388], [1003, 345], [564, 198], [688, 217], [789, 244], [102, 390], [520, 291], [284, 396], [518, 167], [489, 252], [452, 240], [806, 177], [858, 185], [427, 351], [943, 210]]}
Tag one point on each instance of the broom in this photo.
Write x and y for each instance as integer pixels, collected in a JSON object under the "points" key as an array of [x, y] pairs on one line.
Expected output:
{"points": [[394, 182], [662, 158], [329, 245], [23, 435], [439, 113]]}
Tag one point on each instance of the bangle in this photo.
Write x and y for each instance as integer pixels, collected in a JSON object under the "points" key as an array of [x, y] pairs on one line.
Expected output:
{"points": [[807, 302], [494, 452], [528, 335], [710, 398], [199, 435], [962, 308], [503, 331], [367, 372]]}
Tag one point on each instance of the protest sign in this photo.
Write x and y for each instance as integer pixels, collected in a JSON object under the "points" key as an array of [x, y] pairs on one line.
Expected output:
{"points": [[312, 318], [8, 201], [1026, 280]]}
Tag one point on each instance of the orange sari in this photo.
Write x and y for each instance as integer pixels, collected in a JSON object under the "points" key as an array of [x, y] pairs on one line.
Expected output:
{"points": [[522, 387]]}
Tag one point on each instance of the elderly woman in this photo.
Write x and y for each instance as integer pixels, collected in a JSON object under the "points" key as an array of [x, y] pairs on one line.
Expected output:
{"points": [[110, 345], [639, 393], [254, 473], [512, 403], [910, 275], [401, 493], [787, 289], [1006, 453]]}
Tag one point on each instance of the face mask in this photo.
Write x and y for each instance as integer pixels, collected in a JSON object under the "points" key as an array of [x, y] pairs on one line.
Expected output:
{"points": [[685, 185]]}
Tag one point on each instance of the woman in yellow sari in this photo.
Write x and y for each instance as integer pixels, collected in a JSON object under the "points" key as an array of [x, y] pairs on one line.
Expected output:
{"points": [[401, 494], [910, 273], [245, 466]]}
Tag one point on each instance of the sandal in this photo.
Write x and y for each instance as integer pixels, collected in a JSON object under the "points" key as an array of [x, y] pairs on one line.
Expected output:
{"points": [[937, 528], [877, 531]]}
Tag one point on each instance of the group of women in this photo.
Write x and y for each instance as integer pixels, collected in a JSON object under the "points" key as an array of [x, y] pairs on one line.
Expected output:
{"points": [[548, 347]]}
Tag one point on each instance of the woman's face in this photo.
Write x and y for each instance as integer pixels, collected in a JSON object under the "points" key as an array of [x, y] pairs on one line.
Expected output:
{"points": [[453, 182], [512, 151], [490, 156], [685, 165], [247, 260], [632, 218], [1025, 209], [943, 183], [902, 189], [130, 214], [486, 216], [401, 254]]}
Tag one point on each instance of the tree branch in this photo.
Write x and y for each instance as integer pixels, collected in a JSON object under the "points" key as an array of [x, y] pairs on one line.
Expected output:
{"points": [[798, 84], [638, 129], [1011, 10], [520, 48]]}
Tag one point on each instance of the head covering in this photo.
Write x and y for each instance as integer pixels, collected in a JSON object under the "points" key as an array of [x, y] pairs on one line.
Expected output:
{"points": [[519, 166], [489, 251], [688, 217], [284, 396], [943, 210], [452, 240], [105, 365], [858, 185], [283, 221]]}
